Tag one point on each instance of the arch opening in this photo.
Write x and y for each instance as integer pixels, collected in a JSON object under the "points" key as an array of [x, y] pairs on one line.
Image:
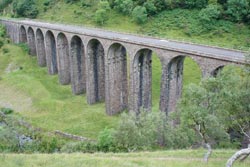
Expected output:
{"points": [[181, 70], [77, 64], [31, 41], [142, 81], [23, 35], [51, 55], [96, 71], [63, 59], [41, 55], [217, 71], [116, 79]]}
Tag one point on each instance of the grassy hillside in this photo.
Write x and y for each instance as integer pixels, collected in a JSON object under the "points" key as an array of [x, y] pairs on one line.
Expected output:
{"points": [[181, 158], [41, 100], [179, 24]]}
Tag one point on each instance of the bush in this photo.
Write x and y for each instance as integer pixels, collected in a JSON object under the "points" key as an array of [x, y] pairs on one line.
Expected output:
{"points": [[6, 110], [209, 15], [2, 31], [1, 43], [190, 4], [25, 8], [143, 132], [101, 15], [4, 3], [106, 140], [85, 147], [237, 10], [124, 6], [139, 14]]}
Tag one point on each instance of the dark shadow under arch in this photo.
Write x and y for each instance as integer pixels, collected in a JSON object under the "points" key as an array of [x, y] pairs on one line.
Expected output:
{"points": [[217, 71], [77, 64], [31, 41], [172, 86], [116, 79], [23, 35], [142, 80], [51, 55], [96, 71], [63, 59], [41, 55]]}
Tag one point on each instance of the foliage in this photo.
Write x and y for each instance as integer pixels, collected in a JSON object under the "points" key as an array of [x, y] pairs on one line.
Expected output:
{"points": [[6, 110], [124, 6], [105, 141], [4, 3], [25, 8], [2, 31], [85, 147], [209, 16], [192, 3], [70, 1], [101, 15], [218, 104], [238, 10], [139, 14]]}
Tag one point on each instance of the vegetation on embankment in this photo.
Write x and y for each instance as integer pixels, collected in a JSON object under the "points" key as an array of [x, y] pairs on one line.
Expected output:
{"points": [[222, 23], [175, 158]]}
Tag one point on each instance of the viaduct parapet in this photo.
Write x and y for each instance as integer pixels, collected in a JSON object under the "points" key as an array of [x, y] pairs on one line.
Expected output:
{"points": [[113, 67]]}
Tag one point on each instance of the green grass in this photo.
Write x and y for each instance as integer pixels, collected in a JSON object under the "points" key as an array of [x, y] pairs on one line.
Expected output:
{"points": [[42, 101], [177, 158], [178, 24], [53, 107]]}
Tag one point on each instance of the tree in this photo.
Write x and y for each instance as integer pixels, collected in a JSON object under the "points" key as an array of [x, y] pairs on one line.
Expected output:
{"points": [[197, 108], [139, 14], [219, 104], [124, 6], [25, 8], [237, 9], [101, 15], [209, 15]]}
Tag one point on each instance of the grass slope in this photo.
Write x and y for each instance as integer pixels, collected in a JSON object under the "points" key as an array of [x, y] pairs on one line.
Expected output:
{"points": [[40, 99], [181, 158], [180, 24], [53, 106]]}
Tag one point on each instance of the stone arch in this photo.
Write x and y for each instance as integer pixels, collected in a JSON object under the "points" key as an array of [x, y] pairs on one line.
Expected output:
{"points": [[51, 56], [173, 83], [142, 80], [116, 79], [31, 41], [63, 59], [77, 64], [23, 35], [96, 71], [217, 70], [41, 55]]}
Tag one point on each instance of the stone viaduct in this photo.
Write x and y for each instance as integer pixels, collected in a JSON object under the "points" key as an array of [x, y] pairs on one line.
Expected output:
{"points": [[113, 67]]}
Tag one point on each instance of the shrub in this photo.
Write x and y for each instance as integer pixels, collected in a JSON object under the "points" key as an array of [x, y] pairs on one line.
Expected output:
{"points": [[5, 50], [139, 14], [101, 15], [2, 31], [124, 6], [209, 15], [1, 43], [142, 132], [85, 147], [6, 110], [237, 9], [25, 8], [4, 3], [106, 140]]}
